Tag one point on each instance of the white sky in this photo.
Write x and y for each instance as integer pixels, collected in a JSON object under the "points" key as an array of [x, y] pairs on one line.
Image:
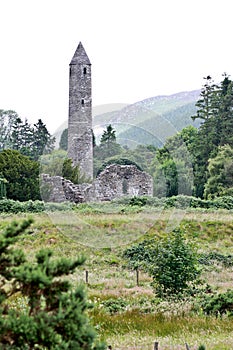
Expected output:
{"points": [[138, 49]]}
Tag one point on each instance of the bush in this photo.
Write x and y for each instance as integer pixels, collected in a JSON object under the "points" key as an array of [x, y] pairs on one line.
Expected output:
{"points": [[114, 305], [11, 206], [171, 261], [218, 304], [209, 258]]}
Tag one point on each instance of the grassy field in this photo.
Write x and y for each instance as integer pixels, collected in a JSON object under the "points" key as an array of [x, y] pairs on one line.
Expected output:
{"points": [[127, 315]]}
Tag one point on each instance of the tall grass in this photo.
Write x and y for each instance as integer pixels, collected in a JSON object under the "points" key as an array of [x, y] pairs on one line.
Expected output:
{"points": [[102, 237]]}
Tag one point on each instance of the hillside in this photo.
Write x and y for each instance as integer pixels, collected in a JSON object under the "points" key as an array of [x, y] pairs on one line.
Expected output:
{"points": [[152, 120], [149, 121]]}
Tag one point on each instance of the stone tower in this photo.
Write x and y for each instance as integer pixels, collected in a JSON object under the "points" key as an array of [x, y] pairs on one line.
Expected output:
{"points": [[80, 140]]}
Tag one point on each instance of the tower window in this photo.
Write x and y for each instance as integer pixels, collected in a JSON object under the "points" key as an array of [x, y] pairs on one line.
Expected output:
{"points": [[82, 102], [84, 70]]}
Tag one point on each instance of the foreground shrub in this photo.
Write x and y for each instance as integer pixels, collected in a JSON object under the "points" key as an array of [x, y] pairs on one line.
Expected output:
{"points": [[55, 314]]}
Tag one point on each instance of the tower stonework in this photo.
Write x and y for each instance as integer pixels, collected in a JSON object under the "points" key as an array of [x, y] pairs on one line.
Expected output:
{"points": [[80, 139]]}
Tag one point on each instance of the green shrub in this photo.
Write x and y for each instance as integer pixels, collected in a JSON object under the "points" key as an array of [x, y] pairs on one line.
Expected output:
{"points": [[139, 201], [114, 305], [171, 261], [218, 304], [11, 206], [209, 258]]}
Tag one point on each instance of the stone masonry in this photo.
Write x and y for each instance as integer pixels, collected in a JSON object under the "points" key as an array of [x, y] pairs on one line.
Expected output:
{"points": [[115, 181], [80, 140]]}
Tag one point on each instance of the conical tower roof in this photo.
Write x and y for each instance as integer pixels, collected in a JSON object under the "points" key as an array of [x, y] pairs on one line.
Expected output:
{"points": [[80, 56]]}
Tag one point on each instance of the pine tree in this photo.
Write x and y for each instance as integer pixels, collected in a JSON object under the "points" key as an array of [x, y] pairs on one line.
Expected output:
{"points": [[43, 141], [55, 317], [215, 109]]}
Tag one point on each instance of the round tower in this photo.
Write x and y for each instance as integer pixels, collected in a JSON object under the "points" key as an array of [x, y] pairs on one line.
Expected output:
{"points": [[80, 139]]}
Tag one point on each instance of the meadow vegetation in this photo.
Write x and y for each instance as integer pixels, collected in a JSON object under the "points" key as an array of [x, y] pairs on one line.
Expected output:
{"points": [[127, 312]]}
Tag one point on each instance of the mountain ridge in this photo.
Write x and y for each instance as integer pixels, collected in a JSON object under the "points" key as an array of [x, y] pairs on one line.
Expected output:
{"points": [[159, 116]]}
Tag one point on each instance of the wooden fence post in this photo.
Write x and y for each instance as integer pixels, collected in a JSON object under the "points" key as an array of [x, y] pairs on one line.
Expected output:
{"points": [[156, 345], [86, 276], [137, 277]]}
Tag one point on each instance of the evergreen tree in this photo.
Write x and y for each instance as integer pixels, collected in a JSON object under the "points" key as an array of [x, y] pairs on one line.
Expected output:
{"points": [[55, 317], [108, 146], [109, 136], [225, 115], [43, 141], [215, 109]]}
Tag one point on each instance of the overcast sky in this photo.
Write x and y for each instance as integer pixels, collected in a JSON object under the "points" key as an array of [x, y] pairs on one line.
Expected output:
{"points": [[138, 49]]}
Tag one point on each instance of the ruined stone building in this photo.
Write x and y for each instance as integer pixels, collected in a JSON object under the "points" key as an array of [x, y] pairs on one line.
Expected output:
{"points": [[115, 180]]}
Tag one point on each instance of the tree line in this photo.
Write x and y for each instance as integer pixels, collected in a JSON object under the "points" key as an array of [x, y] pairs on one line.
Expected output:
{"points": [[21, 146], [195, 161]]}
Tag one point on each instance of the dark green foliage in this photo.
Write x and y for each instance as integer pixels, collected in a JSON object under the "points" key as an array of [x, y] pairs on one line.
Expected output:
{"points": [[55, 316], [217, 304], [22, 175], [138, 201], [171, 261], [109, 135], [114, 305], [31, 140], [220, 173], [108, 146], [201, 347], [43, 142], [210, 258], [72, 173], [175, 265], [63, 143], [172, 167], [11, 206], [215, 109], [181, 202]]}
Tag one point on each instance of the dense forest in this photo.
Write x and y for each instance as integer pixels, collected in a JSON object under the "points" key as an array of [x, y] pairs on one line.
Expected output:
{"points": [[195, 161]]}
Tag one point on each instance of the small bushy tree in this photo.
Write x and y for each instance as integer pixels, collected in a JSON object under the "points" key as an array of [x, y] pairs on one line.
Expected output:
{"points": [[171, 261], [55, 314], [175, 264]]}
